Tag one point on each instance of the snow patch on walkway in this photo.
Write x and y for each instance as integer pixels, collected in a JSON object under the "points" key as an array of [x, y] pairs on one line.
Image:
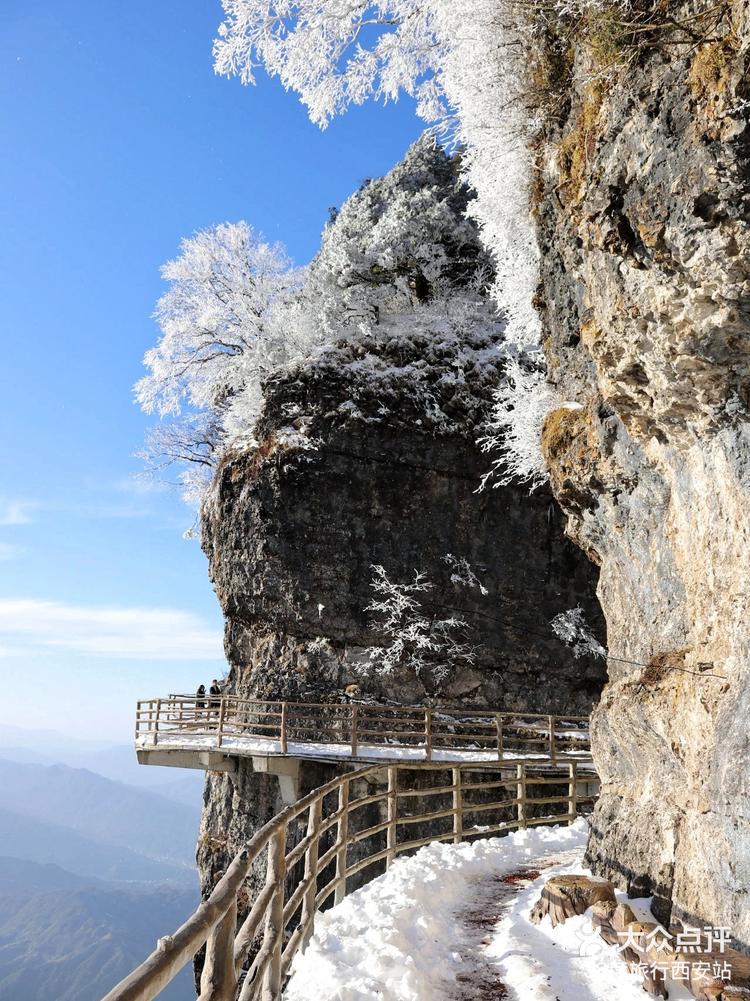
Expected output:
{"points": [[251, 745], [399, 938], [405, 936]]}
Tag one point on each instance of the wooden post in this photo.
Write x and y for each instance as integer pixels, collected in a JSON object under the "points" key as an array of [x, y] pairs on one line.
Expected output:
{"points": [[220, 733], [156, 721], [392, 814], [428, 732], [458, 815], [573, 791], [219, 978], [499, 728], [342, 836], [273, 935], [354, 729], [521, 795], [552, 747], [311, 870], [283, 728]]}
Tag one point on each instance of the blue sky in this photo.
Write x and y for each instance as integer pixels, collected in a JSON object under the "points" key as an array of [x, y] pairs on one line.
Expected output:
{"points": [[117, 141]]}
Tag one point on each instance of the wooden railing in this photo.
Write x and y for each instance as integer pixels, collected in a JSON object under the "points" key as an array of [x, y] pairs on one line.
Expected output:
{"points": [[363, 729], [351, 827]]}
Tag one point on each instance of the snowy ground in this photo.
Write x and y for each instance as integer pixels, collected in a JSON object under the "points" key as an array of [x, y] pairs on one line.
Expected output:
{"points": [[451, 924], [250, 745]]}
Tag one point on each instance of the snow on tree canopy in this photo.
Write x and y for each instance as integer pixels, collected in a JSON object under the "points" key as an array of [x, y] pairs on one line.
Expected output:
{"points": [[224, 329], [404, 239], [396, 303], [467, 66], [400, 288]]}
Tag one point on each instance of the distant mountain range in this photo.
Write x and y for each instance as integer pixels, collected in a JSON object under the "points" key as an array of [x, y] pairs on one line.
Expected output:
{"points": [[37, 841], [118, 762], [67, 938], [100, 810], [92, 870]]}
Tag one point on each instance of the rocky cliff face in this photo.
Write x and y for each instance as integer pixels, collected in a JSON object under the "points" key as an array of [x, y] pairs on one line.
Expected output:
{"points": [[367, 456], [292, 538], [643, 205]]}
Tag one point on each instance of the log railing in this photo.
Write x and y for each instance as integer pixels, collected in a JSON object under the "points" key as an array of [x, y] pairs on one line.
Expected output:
{"points": [[349, 829], [362, 730]]}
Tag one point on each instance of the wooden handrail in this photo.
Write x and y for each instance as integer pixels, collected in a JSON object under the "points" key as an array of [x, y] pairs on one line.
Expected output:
{"points": [[361, 727], [314, 834], [381, 707]]}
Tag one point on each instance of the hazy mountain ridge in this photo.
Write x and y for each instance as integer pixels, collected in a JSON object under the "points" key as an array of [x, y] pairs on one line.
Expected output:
{"points": [[34, 840], [116, 762], [74, 939], [92, 873], [101, 810]]}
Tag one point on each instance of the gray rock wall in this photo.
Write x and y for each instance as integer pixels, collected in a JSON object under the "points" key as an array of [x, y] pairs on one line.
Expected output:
{"points": [[643, 214], [292, 538], [288, 531]]}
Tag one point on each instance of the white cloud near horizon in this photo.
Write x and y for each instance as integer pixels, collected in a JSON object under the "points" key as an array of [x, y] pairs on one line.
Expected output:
{"points": [[29, 626], [15, 512]]}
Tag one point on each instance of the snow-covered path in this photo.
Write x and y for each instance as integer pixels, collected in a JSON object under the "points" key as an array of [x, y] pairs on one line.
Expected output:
{"points": [[249, 745], [492, 898], [451, 924]]}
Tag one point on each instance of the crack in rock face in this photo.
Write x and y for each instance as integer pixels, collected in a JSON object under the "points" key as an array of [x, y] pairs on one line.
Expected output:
{"points": [[645, 299]]}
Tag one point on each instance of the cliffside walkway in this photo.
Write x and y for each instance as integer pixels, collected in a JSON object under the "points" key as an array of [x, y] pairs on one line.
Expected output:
{"points": [[358, 731], [356, 825]]}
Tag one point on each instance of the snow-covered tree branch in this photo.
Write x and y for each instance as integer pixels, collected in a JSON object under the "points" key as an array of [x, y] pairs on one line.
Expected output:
{"points": [[225, 328], [522, 401], [463, 573], [415, 640], [571, 627], [334, 53]]}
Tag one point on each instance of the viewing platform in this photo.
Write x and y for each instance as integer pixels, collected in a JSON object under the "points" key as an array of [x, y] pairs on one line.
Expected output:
{"points": [[212, 734], [423, 775]]}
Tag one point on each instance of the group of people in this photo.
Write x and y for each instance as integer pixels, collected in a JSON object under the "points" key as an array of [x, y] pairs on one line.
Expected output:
{"points": [[214, 696]]}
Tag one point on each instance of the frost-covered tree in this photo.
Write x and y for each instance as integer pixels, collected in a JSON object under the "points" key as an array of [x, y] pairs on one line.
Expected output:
{"points": [[464, 63], [402, 245], [415, 641], [226, 323], [399, 293], [571, 627]]}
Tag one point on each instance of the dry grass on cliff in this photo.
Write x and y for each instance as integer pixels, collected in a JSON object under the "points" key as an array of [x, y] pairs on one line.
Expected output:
{"points": [[660, 665], [711, 69], [616, 35], [578, 148], [562, 431]]}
